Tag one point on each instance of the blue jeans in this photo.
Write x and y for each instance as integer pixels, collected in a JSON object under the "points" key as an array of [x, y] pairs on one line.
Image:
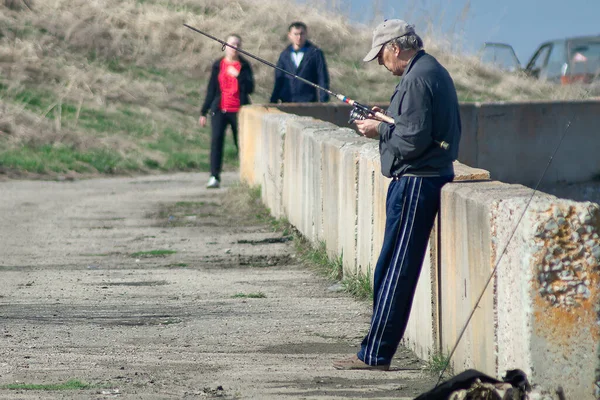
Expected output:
{"points": [[411, 206]]}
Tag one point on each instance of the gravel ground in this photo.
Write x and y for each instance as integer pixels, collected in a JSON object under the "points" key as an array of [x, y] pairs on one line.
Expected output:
{"points": [[221, 309]]}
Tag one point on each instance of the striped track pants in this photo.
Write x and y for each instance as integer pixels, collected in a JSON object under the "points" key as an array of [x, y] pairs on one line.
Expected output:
{"points": [[411, 206]]}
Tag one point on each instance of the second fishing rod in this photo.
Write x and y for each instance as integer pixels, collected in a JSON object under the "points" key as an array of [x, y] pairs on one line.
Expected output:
{"points": [[359, 111]]}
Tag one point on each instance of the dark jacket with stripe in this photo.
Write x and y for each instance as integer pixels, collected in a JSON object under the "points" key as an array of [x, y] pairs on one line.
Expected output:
{"points": [[212, 101], [425, 109], [312, 68]]}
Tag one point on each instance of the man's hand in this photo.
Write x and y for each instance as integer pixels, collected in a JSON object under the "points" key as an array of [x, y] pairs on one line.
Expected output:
{"points": [[202, 121], [368, 127]]}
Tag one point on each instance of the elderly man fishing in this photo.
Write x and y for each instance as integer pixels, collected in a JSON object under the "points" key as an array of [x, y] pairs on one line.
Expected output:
{"points": [[425, 112]]}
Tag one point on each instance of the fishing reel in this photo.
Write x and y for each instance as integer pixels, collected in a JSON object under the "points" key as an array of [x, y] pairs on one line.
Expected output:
{"points": [[357, 114]]}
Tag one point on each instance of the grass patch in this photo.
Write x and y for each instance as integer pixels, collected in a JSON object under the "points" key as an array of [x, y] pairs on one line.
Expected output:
{"points": [[257, 295], [170, 321], [60, 159], [160, 139], [177, 265], [247, 200], [438, 361], [317, 258], [153, 253], [72, 384], [359, 285]]}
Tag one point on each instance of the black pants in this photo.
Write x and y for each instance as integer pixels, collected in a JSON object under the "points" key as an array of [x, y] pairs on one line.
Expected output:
{"points": [[219, 122]]}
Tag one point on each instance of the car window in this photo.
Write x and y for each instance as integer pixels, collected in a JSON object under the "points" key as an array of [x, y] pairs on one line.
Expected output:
{"points": [[557, 62], [538, 62], [584, 57], [500, 55]]}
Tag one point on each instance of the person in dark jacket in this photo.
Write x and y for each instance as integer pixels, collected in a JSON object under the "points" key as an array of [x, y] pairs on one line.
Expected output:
{"points": [[425, 110], [306, 60], [231, 82]]}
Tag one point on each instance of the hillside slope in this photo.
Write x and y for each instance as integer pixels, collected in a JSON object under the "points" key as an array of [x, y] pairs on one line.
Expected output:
{"points": [[107, 86]]}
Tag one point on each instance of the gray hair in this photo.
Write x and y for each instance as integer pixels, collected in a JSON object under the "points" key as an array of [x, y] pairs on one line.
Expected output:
{"points": [[410, 41]]}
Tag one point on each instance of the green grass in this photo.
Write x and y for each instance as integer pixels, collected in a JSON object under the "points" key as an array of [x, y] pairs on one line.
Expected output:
{"points": [[164, 139], [47, 158], [177, 265], [153, 253], [72, 384], [359, 285], [257, 295], [316, 257], [248, 199], [438, 362]]}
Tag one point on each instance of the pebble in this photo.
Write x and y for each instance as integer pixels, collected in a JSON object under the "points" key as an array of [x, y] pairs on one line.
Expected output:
{"points": [[596, 252]]}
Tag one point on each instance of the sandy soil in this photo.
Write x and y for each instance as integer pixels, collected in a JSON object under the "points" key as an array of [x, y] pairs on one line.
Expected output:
{"points": [[77, 303]]}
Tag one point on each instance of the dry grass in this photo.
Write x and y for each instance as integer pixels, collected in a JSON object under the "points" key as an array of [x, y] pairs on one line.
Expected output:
{"points": [[127, 77]]}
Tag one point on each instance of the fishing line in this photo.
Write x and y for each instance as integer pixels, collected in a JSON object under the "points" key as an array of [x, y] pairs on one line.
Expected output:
{"points": [[535, 190]]}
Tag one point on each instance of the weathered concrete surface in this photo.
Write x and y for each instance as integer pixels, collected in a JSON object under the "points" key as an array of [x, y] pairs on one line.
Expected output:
{"points": [[74, 303], [540, 311], [337, 113], [421, 335], [515, 141], [347, 231], [334, 188], [368, 167], [271, 182], [467, 152], [466, 252], [249, 135], [423, 332], [508, 329]]}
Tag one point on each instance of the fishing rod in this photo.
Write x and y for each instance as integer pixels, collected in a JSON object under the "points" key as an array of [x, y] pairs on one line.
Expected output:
{"points": [[358, 112]]}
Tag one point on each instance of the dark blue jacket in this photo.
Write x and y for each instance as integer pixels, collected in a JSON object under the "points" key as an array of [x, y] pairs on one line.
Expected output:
{"points": [[312, 68], [425, 109]]}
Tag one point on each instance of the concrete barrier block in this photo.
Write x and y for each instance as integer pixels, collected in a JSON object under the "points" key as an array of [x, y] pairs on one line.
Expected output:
{"points": [[272, 150], [333, 187], [314, 166], [422, 331], [302, 174], [464, 172], [547, 294], [540, 311], [249, 140], [467, 152], [421, 335], [367, 169], [380, 188], [294, 174], [516, 140], [348, 194], [465, 254]]}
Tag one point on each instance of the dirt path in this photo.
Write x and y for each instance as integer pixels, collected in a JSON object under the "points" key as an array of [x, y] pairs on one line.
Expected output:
{"points": [[225, 314]]}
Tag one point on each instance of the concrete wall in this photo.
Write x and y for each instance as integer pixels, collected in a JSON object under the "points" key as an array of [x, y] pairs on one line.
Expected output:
{"points": [[514, 141], [541, 310], [250, 122], [540, 313]]}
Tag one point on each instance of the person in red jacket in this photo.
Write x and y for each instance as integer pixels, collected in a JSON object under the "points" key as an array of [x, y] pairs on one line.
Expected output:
{"points": [[231, 82]]}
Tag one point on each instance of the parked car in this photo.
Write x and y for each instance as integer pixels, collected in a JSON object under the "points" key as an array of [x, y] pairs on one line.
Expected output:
{"points": [[562, 61]]}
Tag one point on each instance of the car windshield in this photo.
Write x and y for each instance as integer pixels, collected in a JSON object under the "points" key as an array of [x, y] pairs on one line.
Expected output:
{"points": [[500, 56], [584, 56]]}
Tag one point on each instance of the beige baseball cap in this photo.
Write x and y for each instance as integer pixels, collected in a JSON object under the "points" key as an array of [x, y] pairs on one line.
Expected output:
{"points": [[386, 31]]}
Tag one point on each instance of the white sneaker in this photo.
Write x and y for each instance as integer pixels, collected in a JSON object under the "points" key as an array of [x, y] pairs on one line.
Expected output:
{"points": [[213, 183]]}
